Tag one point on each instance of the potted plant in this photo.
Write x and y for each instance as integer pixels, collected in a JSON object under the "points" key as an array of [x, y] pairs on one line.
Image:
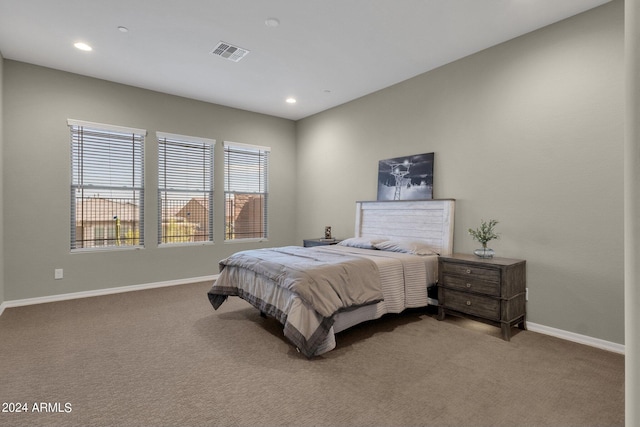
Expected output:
{"points": [[484, 234]]}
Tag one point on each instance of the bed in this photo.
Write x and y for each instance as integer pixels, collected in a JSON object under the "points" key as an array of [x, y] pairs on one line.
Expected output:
{"points": [[317, 292]]}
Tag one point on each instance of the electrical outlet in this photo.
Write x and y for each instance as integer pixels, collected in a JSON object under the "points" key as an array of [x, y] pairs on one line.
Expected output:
{"points": [[58, 274]]}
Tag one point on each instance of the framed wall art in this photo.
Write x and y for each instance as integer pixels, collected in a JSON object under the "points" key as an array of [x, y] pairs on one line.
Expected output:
{"points": [[406, 178]]}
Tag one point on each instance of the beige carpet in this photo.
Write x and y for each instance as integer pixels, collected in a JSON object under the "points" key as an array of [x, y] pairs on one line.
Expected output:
{"points": [[164, 357]]}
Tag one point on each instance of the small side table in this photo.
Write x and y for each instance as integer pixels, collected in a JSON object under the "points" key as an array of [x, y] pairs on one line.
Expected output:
{"points": [[307, 243], [489, 290]]}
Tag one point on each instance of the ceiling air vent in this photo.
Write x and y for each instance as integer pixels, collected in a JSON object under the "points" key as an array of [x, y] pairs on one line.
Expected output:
{"points": [[230, 52]]}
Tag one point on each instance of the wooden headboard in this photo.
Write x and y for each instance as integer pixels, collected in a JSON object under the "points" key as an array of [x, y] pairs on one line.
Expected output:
{"points": [[430, 220]]}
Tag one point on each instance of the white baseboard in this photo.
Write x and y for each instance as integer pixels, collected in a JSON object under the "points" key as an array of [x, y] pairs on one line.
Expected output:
{"points": [[581, 339], [100, 292]]}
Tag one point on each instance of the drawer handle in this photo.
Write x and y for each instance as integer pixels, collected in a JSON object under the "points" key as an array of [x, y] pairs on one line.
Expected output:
{"points": [[468, 302], [468, 271], [468, 285]]}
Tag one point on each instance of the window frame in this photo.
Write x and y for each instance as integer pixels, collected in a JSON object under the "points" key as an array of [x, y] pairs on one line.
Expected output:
{"points": [[81, 173], [175, 139], [262, 165]]}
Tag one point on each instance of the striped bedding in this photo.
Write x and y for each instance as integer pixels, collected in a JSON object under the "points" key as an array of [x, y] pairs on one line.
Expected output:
{"points": [[403, 279]]}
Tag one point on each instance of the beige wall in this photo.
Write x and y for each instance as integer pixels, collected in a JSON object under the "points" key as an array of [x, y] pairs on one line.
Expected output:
{"points": [[632, 212], [529, 132], [38, 102], [1, 184]]}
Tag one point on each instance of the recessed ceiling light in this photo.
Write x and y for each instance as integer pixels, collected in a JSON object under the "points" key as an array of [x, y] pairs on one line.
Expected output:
{"points": [[123, 29], [272, 22], [291, 100], [83, 46]]}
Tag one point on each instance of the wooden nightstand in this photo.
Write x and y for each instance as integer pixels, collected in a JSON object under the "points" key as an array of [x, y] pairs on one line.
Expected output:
{"points": [[488, 290], [320, 242]]}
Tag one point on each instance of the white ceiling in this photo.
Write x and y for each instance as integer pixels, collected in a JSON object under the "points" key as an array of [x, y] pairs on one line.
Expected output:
{"points": [[324, 52]]}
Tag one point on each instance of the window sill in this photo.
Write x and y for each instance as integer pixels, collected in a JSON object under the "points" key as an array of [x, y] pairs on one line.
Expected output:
{"points": [[258, 240], [183, 244], [106, 249]]}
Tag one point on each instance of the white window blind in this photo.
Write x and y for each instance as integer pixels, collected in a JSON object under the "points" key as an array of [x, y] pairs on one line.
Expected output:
{"points": [[185, 189], [107, 186], [246, 191]]}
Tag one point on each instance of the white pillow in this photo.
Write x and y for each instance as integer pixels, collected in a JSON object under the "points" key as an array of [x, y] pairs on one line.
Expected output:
{"points": [[415, 247], [361, 242]]}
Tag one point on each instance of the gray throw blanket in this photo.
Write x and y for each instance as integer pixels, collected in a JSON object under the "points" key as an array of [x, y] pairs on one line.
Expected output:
{"points": [[326, 281]]}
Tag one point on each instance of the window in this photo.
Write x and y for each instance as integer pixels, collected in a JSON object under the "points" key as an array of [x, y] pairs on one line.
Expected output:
{"points": [[185, 189], [107, 186], [246, 190]]}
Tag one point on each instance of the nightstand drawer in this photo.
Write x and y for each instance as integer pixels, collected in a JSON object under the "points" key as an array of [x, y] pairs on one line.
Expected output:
{"points": [[471, 284], [488, 274], [477, 305]]}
